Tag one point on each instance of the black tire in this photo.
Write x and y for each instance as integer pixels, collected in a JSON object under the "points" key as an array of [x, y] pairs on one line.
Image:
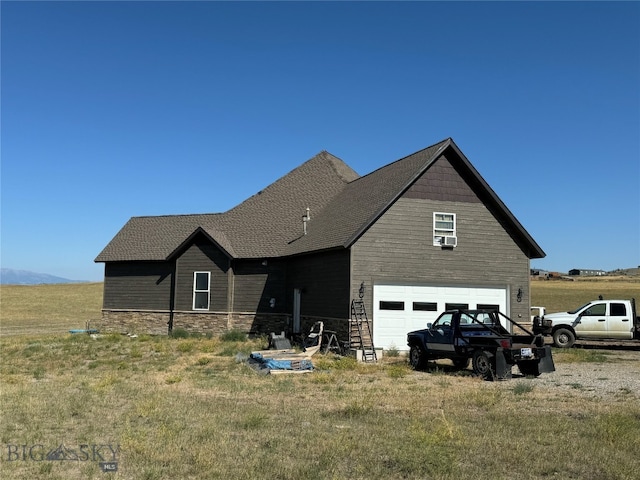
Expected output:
{"points": [[483, 364], [417, 357], [460, 363], [564, 338], [529, 368]]}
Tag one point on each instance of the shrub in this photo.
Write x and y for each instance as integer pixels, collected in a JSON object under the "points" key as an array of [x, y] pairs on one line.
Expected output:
{"points": [[185, 347], [135, 352], [173, 379], [233, 336], [392, 352], [521, 388], [179, 333], [397, 370]]}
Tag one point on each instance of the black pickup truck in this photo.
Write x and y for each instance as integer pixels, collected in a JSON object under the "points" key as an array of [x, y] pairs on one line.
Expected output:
{"points": [[480, 337]]}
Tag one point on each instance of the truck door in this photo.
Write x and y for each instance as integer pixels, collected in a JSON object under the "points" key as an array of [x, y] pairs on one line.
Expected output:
{"points": [[619, 322], [592, 322], [440, 337]]}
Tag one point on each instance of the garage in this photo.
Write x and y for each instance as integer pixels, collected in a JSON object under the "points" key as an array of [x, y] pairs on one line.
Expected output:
{"points": [[399, 309]]}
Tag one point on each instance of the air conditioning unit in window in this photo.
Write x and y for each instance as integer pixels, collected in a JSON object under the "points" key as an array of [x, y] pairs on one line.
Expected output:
{"points": [[449, 241]]}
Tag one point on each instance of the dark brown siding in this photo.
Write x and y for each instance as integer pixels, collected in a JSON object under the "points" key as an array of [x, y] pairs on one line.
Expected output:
{"points": [[137, 285], [442, 183], [202, 256], [398, 248], [324, 281], [255, 284]]}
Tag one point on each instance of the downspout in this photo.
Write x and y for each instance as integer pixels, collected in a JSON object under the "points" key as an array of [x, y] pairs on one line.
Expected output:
{"points": [[172, 295], [230, 294]]}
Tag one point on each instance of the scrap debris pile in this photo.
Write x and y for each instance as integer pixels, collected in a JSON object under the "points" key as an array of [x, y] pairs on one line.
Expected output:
{"points": [[281, 358]]}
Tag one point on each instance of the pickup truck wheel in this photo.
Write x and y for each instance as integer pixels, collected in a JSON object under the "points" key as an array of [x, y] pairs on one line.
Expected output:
{"points": [[564, 338], [417, 358], [482, 364]]}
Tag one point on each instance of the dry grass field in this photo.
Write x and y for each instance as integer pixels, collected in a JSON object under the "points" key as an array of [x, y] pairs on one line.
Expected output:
{"points": [[27, 309], [561, 296], [191, 408]]}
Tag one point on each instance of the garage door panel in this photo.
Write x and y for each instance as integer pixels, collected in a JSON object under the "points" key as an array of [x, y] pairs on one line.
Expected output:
{"points": [[390, 326]]}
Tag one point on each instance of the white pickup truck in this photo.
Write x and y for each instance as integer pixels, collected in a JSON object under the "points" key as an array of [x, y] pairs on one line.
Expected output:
{"points": [[597, 320]]}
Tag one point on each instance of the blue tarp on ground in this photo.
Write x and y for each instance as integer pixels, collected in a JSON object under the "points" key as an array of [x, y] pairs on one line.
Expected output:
{"points": [[273, 364]]}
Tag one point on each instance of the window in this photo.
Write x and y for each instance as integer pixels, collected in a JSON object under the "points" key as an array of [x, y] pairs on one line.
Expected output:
{"points": [[444, 229], [391, 305], [425, 307], [201, 290], [596, 310], [456, 306], [443, 321], [618, 310], [486, 318], [466, 319], [490, 307]]}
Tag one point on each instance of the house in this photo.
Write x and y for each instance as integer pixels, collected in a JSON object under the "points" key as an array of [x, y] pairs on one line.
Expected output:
{"points": [[540, 274], [415, 237], [586, 272]]}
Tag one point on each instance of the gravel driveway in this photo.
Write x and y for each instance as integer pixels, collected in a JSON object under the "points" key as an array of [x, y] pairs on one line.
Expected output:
{"points": [[618, 375]]}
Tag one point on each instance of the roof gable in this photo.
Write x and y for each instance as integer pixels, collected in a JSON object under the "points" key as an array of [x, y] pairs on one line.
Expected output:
{"points": [[364, 200], [494, 204], [157, 238]]}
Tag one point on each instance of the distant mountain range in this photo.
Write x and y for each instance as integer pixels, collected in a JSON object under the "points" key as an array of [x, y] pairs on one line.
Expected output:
{"points": [[9, 276]]}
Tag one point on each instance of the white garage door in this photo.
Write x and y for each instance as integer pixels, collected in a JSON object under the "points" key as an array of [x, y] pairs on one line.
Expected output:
{"points": [[399, 309]]}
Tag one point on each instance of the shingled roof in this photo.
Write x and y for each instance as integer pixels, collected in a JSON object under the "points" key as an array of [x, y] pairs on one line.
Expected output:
{"points": [[269, 224], [261, 226]]}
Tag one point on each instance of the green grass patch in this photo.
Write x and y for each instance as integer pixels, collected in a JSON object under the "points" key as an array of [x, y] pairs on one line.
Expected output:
{"points": [[179, 333], [521, 388], [233, 336], [398, 370], [581, 355]]}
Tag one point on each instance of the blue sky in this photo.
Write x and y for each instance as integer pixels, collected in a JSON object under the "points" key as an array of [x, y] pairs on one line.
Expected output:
{"points": [[118, 109]]}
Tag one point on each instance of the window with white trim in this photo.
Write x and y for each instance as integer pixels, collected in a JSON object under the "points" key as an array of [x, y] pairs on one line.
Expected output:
{"points": [[201, 290], [444, 229]]}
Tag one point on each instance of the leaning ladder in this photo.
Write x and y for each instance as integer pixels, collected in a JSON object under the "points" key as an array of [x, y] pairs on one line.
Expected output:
{"points": [[360, 335]]}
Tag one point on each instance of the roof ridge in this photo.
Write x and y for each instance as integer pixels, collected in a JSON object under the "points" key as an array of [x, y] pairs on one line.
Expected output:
{"points": [[176, 215], [441, 144], [291, 173], [336, 162]]}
